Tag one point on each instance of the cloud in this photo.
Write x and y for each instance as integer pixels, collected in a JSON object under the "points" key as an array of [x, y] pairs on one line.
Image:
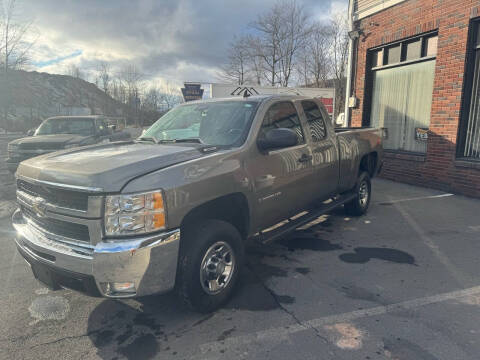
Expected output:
{"points": [[172, 40]]}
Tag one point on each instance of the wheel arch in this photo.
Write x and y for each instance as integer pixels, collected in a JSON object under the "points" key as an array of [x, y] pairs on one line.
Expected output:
{"points": [[369, 164], [232, 208]]}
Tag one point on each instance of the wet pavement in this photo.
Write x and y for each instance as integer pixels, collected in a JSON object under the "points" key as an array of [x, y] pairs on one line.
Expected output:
{"points": [[399, 283]]}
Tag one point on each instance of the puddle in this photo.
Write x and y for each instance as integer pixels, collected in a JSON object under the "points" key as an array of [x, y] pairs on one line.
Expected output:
{"points": [[363, 255], [128, 329], [249, 284], [308, 243]]}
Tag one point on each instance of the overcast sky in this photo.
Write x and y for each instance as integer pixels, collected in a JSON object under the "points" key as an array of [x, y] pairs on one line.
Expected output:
{"points": [[168, 40]]}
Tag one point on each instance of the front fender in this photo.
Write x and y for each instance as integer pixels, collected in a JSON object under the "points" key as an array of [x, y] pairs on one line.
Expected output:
{"points": [[196, 182]]}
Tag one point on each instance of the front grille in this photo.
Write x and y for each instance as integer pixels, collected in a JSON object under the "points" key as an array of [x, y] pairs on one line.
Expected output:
{"points": [[60, 197], [58, 227]]}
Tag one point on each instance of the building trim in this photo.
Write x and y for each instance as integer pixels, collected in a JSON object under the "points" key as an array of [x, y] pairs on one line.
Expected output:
{"points": [[381, 5]]}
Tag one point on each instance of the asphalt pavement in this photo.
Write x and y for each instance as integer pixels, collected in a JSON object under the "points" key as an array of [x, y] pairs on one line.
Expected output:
{"points": [[400, 283]]}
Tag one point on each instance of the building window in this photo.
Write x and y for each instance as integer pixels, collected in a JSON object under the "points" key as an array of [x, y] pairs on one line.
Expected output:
{"points": [[414, 50], [315, 120], [401, 92], [431, 46], [470, 132], [394, 54]]}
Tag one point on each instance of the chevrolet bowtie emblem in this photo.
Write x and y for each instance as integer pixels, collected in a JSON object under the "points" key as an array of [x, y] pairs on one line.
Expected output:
{"points": [[39, 206]]}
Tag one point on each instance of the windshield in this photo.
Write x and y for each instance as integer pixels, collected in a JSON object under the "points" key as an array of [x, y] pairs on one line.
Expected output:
{"points": [[76, 126], [216, 123]]}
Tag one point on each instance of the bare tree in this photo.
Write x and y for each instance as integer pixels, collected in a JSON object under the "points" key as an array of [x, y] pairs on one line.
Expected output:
{"points": [[303, 68], [318, 62], [267, 45], [74, 71], [132, 78], [152, 99], [14, 46], [283, 32], [339, 56], [169, 97], [236, 70], [14, 51], [294, 31], [104, 75]]}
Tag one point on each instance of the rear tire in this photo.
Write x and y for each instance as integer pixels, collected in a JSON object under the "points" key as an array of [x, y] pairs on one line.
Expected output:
{"points": [[211, 259], [363, 190]]}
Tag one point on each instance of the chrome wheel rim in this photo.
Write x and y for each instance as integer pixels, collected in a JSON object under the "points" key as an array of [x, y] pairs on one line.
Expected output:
{"points": [[363, 194], [217, 267]]}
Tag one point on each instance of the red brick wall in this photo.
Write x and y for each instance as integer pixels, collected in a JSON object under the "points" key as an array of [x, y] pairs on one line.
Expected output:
{"points": [[438, 168]]}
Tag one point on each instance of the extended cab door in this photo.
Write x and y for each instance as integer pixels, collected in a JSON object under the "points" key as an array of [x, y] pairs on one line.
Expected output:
{"points": [[323, 142], [281, 177]]}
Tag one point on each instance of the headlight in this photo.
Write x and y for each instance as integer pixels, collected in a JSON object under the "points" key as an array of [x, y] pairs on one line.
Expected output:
{"points": [[12, 147], [134, 214]]}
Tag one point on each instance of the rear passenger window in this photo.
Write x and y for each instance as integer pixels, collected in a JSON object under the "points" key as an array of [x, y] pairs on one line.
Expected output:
{"points": [[315, 120], [283, 115]]}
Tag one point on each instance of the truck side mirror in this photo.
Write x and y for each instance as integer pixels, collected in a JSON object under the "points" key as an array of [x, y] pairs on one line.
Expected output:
{"points": [[30, 132], [277, 139]]}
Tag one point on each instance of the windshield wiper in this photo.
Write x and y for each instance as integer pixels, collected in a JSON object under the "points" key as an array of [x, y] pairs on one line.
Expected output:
{"points": [[192, 140], [148, 138]]}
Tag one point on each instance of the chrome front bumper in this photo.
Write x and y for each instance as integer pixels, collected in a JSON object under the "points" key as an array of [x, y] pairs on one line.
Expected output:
{"points": [[149, 262]]}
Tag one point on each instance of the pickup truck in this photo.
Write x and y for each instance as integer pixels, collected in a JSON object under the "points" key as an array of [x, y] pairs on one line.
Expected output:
{"points": [[61, 132], [174, 208]]}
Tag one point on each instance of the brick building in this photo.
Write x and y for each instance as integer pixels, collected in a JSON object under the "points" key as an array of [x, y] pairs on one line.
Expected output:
{"points": [[415, 71]]}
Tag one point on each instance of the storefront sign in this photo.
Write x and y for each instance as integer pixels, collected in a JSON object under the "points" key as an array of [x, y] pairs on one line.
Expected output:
{"points": [[192, 92], [421, 134]]}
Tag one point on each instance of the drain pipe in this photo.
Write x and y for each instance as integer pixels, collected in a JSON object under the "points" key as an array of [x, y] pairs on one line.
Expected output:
{"points": [[348, 90]]}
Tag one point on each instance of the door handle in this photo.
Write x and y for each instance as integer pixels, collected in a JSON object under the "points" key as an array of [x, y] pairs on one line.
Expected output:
{"points": [[305, 158]]}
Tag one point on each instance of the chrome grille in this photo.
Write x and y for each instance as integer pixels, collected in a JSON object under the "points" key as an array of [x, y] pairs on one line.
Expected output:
{"points": [[55, 196], [69, 230]]}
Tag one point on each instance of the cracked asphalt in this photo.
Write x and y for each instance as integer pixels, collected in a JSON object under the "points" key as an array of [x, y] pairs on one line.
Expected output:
{"points": [[399, 283]]}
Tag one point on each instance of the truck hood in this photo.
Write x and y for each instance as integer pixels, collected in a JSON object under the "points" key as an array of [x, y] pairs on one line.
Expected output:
{"points": [[48, 142], [107, 167]]}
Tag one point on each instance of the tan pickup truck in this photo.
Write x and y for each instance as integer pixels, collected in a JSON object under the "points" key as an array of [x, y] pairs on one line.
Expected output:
{"points": [[173, 208]]}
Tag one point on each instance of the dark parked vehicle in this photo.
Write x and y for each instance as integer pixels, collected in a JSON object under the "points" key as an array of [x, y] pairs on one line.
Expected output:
{"points": [[61, 132], [174, 208]]}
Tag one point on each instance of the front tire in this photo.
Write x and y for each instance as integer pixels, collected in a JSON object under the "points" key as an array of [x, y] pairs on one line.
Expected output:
{"points": [[211, 258], [363, 190]]}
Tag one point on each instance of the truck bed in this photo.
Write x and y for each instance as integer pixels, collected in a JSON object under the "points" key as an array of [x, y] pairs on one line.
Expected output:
{"points": [[354, 143]]}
